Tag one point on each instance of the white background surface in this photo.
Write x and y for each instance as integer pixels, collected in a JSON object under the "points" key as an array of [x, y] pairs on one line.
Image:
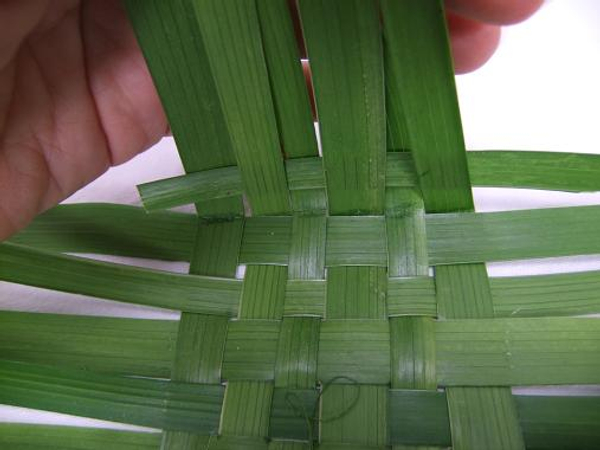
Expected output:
{"points": [[541, 91]]}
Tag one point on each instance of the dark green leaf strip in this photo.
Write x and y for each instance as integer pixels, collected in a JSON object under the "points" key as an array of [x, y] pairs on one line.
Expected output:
{"points": [[419, 66], [232, 36], [548, 422], [174, 49], [350, 100], [288, 87]]}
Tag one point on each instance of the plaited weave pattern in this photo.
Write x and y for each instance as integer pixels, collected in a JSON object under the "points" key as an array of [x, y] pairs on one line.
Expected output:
{"points": [[338, 334]]}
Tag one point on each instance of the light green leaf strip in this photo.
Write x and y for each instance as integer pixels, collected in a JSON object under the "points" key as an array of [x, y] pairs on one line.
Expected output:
{"points": [[137, 401], [571, 172], [504, 236], [420, 418], [266, 240], [290, 94], [195, 187], [200, 346], [201, 338], [510, 169], [345, 50], [246, 409], [307, 250], [357, 349], [343, 234], [119, 282], [174, 49], [104, 344], [305, 298], [350, 100], [361, 424], [413, 353], [411, 297], [251, 349], [504, 352], [20, 436], [566, 294], [109, 229], [356, 293], [288, 411], [263, 293], [468, 413], [405, 228], [232, 36], [452, 238], [463, 292], [296, 363], [574, 172]]}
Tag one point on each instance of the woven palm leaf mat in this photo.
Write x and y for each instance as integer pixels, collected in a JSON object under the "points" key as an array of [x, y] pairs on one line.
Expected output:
{"points": [[365, 318]]}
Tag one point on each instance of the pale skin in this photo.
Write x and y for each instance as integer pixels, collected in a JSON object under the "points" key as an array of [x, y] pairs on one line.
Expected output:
{"points": [[76, 97]]}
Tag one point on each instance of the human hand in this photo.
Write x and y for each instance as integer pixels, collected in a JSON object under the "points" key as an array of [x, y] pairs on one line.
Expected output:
{"points": [[76, 96]]}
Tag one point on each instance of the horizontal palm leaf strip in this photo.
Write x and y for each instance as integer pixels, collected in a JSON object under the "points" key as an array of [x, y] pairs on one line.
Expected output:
{"points": [[418, 417], [193, 293], [503, 236], [195, 187], [111, 229], [138, 401], [567, 294], [113, 345], [53, 437], [452, 238], [512, 352], [572, 172], [548, 422]]}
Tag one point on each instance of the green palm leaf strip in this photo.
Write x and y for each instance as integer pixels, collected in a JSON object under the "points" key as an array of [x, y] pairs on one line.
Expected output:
{"points": [[52, 437], [137, 401], [120, 282], [571, 172], [419, 65], [139, 347]]}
